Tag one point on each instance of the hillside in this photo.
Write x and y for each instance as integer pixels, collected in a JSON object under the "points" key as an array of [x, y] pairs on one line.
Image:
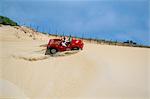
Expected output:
{"points": [[98, 72]]}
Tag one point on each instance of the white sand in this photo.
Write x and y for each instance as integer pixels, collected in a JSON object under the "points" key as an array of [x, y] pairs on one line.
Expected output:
{"points": [[97, 72]]}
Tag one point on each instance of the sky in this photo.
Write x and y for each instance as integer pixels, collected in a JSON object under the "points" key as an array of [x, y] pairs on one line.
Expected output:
{"points": [[119, 20]]}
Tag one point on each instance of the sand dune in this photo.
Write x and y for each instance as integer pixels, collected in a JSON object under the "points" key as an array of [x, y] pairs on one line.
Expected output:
{"points": [[97, 72]]}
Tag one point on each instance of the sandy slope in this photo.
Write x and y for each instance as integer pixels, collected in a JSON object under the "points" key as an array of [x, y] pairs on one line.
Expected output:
{"points": [[97, 72]]}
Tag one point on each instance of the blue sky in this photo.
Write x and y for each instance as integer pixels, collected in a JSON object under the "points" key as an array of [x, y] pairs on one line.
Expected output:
{"points": [[110, 19]]}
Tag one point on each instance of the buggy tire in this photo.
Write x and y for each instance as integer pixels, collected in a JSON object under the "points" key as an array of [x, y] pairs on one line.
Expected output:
{"points": [[53, 50]]}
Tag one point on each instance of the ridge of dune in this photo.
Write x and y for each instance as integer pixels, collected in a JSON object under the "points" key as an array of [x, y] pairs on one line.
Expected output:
{"points": [[20, 32], [97, 72]]}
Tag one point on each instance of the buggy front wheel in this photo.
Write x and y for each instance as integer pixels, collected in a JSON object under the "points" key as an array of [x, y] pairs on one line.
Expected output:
{"points": [[75, 48]]}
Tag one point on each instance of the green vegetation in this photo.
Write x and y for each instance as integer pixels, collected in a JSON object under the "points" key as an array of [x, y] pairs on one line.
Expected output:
{"points": [[7, 21]]}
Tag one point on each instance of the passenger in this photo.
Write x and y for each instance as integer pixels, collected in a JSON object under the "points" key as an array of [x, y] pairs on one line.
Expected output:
{"points": [[69, 39]]}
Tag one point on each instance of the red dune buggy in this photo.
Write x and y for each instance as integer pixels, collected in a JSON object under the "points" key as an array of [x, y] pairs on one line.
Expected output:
{"points": [[55, 45]]}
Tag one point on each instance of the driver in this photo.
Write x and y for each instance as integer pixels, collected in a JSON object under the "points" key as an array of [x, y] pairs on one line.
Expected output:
{"points": [[64, 42]]}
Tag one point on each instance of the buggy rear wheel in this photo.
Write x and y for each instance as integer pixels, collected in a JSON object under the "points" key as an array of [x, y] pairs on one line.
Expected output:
{"points": [[53, 50]]}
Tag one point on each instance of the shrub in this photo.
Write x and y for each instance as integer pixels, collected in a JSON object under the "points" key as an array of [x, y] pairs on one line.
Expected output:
{"points": [[7, 21]]}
